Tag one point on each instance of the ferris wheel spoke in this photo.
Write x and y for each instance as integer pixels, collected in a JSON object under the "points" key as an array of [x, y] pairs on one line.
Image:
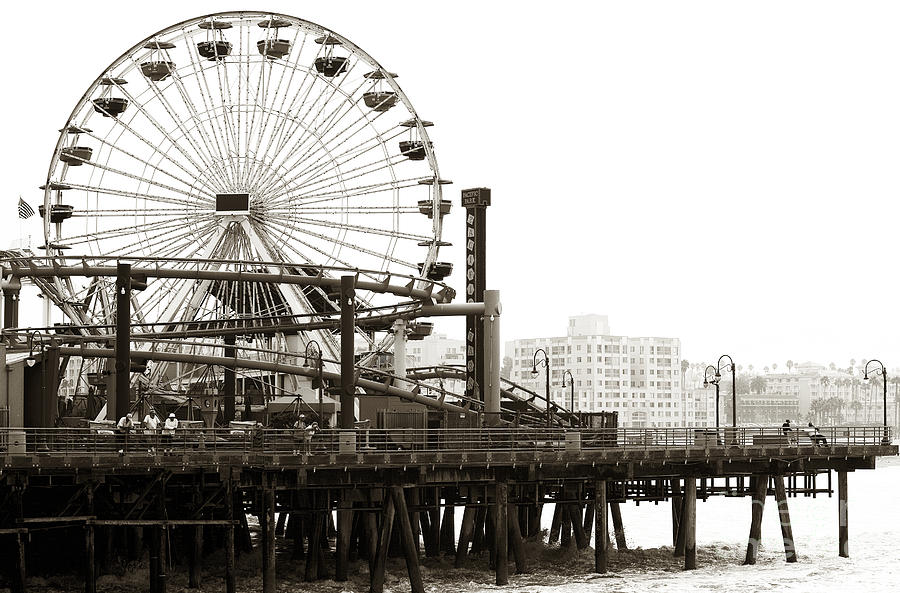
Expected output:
{"points": [[342, 177], [358, 228], [350, 192], [307, 134], [212, 146], [358, 150], [137, 195], [323, 143], [252, 172], [304, 124], [122, 230], [159, 242], [208, 102], [202, 170], [380, 210], [344, 244], [151, 212], [164, 154], [147, 163]]}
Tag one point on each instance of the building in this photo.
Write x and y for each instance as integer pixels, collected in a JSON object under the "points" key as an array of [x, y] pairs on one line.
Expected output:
{"points": [[638, 377]]}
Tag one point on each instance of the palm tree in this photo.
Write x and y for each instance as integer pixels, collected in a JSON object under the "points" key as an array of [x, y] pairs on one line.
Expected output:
{"points": [[758, 384], [789, 364], [685, 365], [774, 366], [750, 368], [766, 370], [855, 407]]}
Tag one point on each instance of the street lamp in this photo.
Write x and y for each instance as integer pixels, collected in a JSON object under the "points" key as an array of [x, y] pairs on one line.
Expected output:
{"points": [[534, 373], [572, 390], [733, 386], [715, 381], [318, 353], [883, 372]]}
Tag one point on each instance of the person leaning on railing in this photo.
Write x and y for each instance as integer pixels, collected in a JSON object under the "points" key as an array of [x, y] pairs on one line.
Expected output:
{"points": [[169, 427]]}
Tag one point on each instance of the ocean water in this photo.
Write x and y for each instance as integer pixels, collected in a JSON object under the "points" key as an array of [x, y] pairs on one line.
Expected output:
{"points": [[722, 529]]}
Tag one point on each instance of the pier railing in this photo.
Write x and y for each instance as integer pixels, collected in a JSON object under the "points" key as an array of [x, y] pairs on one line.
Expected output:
{"points": [[87, 441]]}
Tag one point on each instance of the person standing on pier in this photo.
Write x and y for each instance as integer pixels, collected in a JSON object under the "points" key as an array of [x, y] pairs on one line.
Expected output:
{"points": [[151, 426], [124, 427], [169, 427]]}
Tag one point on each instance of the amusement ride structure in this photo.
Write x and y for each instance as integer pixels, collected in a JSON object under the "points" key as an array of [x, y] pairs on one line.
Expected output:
{"points": [[235, 205]]}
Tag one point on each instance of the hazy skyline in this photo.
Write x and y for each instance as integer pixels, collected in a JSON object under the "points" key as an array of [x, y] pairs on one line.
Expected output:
{"points": [[720, 172]]}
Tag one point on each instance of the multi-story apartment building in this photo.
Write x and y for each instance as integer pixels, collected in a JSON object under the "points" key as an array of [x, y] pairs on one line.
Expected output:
{"points": [[640, 378]]}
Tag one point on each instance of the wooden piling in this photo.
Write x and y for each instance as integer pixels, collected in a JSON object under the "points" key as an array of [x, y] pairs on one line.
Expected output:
{"points": [[601, 528], [565, 533], [678, 551], [843, 527], [344, 526], [555, 524], [689, 520], [229, 540], [448, 529], [433, 541], [784, 516], [370, 524], [414, 500], [581, 538], [515, 538], [501, 532], [587, 524], [619, 528], [90, 571], [268, 537], [314, 549], [376, 574], [154, 559], [677, 508], [406, 537], [465, 534], [163, 535], [759, 504], [279, 526], [196, 557]]}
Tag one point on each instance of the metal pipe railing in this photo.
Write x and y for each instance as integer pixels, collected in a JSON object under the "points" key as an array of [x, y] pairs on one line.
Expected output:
{"points": [[94, 441]]}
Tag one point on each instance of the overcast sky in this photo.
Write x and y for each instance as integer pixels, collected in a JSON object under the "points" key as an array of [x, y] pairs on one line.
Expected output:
{"points": [[722, 172]]}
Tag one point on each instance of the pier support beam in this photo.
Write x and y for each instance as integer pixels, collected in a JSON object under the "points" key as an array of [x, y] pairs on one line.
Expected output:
{"points": [[465, 534], [689, 520], [267, 520], [196, 557], [376, 574], [229, 539], [784, 517], [555, 524], [616, 511], [601, 528], [501, 532], [843, 530], [344, 527], [406, 537], [759, 504], [18, 577], [448, 529], [515, 537], [90, 571]]}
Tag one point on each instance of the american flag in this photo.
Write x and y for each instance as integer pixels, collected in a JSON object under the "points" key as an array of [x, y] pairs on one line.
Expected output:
{"points": [[25, 211]]}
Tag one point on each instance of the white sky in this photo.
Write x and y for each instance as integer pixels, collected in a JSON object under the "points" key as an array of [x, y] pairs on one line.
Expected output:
{"points": [[723, 172]]}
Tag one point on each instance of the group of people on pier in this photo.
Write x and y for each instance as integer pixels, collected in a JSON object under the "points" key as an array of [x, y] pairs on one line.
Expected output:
{"points": [[811, 431], [150, 425]]}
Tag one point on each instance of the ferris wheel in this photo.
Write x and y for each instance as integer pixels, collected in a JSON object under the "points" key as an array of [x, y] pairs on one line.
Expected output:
{"points": [[241, 141]]}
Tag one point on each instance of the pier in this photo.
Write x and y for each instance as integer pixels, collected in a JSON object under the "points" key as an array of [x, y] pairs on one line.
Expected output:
{"points": [[395, 492]]}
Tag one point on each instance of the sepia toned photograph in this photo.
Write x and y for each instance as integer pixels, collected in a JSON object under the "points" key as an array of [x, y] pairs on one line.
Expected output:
{"points": [[450, 297]]}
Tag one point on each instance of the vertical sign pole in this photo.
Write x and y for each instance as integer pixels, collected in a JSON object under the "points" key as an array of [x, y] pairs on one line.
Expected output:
{"points": [[348, 332], [123, 343], [475, 201]]}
